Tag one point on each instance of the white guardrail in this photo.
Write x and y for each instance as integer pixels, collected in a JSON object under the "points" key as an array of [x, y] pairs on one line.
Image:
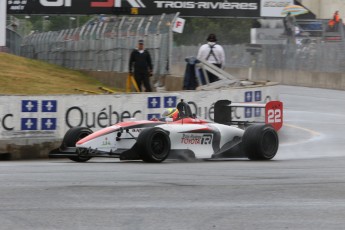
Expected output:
{"points": [[27, 120]]}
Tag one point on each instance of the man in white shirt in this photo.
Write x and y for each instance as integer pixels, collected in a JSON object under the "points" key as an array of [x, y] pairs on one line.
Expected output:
{"points": [[212, 53]]}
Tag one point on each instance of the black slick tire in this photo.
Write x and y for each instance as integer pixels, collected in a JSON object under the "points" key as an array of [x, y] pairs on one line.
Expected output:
{"points": [[260, 142], [72, 136], [153, 145]]}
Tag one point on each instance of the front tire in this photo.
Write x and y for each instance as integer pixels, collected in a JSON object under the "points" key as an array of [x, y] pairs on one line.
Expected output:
{"points": [[153, 145], [260, 142], [72, 136]]}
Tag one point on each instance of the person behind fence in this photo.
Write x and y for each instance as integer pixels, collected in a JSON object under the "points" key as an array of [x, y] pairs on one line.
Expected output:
{"points": [[287, 29], [140, 61], [212, 53], [290, 25], [334, 22]]}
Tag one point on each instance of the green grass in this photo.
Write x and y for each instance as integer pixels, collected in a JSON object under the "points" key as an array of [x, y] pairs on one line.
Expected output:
{"points": [[20, 75]]}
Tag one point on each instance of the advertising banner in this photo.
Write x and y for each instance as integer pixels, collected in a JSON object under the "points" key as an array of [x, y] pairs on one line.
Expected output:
{"points": [[216, 8], [275, 8], [186, 8], [52, 116], [266, 36]]}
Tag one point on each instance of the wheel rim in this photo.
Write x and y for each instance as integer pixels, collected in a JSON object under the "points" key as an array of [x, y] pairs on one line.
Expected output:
{"points": [[84, 151], [158, 146], [269, 144]]}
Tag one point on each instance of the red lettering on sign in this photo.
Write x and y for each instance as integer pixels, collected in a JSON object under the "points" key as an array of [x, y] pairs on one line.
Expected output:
{"points": [[108, 3], [193, 141]]}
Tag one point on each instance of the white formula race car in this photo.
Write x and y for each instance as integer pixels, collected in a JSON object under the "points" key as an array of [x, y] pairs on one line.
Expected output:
{"points": [[185, 138]]}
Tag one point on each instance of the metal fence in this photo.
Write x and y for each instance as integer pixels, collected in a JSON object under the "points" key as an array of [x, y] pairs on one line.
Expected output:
{"points": [[104, 43], [321, 57], [13, 41], [315, 52]]}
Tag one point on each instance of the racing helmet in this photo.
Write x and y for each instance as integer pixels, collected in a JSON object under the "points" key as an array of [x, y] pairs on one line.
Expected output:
{"points": [[171, 113]]}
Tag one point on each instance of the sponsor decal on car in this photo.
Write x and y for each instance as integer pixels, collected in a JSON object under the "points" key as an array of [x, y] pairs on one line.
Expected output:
{"points": [[136, 130], [197, 139], [105, 142]]}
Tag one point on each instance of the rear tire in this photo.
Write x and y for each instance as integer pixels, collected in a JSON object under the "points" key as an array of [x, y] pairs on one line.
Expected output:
{"points": [[72, 136], [153, 145], [260, 142]]}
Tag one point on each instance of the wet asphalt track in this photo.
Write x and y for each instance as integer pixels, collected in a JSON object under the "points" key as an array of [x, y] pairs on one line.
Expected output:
{"points": [[302, 188]]}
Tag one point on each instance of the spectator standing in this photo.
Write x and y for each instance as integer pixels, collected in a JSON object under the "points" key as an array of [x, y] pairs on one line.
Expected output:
{"points": [[286, 28], [140, 60], [334, 22], [212, 53], [289, 25]]}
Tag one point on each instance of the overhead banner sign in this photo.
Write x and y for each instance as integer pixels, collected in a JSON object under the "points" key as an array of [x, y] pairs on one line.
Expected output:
{"points": [[219, 8], [186, 8], [271, 8]]}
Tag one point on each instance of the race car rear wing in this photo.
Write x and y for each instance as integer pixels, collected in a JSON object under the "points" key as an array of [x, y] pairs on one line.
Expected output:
{"points": [[224, 112]]}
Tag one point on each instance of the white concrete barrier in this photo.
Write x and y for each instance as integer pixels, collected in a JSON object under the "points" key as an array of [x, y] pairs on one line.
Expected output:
{"points": [[30, 126]]}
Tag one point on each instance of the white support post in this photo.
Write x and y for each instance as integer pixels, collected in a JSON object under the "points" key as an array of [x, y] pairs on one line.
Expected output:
{"points": [[3, 14], [171, 40]]}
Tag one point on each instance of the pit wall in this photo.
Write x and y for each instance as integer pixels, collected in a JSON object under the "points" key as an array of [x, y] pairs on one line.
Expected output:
{"points": [[31, 126], [295, 78]]}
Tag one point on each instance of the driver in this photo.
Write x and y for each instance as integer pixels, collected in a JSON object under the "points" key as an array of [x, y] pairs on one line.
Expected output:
{"points": [[171, 113]]}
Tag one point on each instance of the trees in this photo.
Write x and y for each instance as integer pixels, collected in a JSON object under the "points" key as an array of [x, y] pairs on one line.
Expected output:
{"points": [[52, 23], [228, 31]]}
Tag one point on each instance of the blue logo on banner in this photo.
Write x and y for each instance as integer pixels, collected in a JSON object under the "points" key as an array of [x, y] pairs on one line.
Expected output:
{"points": [[257, 112], [257, 95], [153, 115], [49, 106], [170, 102], [29, 106], [153, 102], [248, 96], [48, 123], [248, 112], [29, 123]]}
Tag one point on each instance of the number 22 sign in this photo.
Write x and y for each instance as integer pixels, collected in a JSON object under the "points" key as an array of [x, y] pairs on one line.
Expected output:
{"points": [[274, 114]]}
